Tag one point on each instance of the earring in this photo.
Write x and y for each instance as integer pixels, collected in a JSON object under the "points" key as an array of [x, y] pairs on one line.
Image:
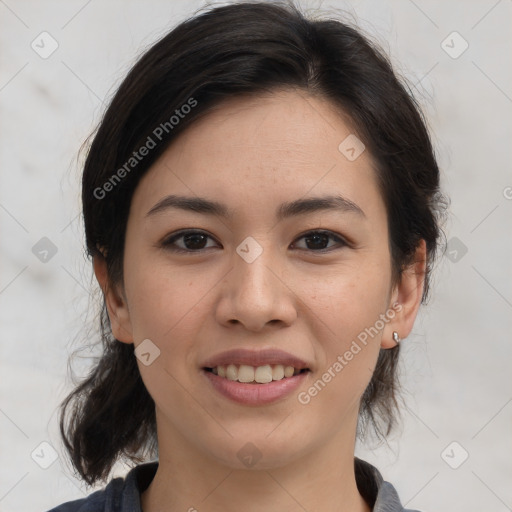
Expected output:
{"points": [[396, 337]]}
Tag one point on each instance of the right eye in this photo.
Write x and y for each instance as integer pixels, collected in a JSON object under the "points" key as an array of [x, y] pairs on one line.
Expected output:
{"points": [[193, 241]]}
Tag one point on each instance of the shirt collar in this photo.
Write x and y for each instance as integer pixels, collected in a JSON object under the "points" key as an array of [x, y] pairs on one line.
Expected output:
{"points": [[379, 494]]}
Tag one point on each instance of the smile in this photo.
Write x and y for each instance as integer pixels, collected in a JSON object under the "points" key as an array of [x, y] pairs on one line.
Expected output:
{"points": [[255, 375]]}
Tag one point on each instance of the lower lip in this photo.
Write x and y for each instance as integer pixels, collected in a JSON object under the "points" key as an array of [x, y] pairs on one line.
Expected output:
{"points": [[255, 394]]}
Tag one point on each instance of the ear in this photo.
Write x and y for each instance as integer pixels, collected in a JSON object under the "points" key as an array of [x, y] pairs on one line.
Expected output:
{"points": [[115, 300], [406, 298]]}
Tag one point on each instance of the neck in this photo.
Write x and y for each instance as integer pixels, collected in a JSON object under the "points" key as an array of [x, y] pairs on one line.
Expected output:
{"points": [[323, 479]]}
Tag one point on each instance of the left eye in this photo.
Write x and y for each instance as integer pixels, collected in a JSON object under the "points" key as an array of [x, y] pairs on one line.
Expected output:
{"points": [[194, 241], [318, 238]]}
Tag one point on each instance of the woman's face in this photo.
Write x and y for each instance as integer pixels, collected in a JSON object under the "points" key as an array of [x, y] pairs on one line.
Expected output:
{"points": [[260, 281]]}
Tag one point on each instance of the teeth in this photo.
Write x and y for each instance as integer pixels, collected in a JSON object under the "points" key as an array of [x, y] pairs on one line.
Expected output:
{"points": [[263, 374], [260, 374], [277, 372], [245, 373], [288, 371], [232, 372]]}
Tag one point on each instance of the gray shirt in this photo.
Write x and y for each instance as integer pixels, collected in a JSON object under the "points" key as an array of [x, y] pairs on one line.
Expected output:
{"points": [[122, 494]]}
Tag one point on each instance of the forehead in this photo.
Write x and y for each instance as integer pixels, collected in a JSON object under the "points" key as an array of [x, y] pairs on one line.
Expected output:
{"points": [[286, 120], [266, 148]]}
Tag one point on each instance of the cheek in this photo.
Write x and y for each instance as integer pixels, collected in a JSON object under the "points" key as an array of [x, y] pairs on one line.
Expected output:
{"points": [[348, 329], [167, 307], [350, 299], [163, 300], [348, 308]]}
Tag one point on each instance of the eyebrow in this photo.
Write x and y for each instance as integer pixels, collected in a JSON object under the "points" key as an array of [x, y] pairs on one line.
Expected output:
{"points": [[285, 210]]}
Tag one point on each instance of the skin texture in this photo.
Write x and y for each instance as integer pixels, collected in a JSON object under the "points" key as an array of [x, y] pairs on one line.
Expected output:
{"points": [[253, 154]]}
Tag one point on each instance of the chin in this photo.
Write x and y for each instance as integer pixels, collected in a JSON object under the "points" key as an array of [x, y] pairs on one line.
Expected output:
{"points": [[255, 449]]}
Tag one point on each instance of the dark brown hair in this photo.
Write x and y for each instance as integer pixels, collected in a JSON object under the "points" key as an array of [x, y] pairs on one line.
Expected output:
{"points": [[235, 50]]}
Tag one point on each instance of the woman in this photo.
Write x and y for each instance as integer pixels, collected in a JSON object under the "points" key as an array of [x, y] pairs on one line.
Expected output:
{"points": [[261, 203]]}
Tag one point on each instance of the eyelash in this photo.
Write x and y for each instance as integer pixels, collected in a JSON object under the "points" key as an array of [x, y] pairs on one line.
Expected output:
{"points": [[168, 242]]}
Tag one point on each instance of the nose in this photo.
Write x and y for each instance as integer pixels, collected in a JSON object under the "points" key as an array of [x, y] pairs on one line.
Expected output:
{"points": [[257, 294]]}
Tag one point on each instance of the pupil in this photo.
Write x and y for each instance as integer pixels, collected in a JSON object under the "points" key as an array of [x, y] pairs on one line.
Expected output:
{"points": [[316, 237], [193, 237]]}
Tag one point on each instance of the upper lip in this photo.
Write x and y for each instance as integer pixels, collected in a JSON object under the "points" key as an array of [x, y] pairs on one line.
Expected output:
{"points": [[255, 358]]}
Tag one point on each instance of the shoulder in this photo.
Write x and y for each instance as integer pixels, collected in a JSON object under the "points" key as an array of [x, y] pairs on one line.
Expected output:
{"points": [[381, 495], [122, 494]]}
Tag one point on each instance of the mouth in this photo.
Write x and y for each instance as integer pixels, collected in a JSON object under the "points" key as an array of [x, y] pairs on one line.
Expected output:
{"points": [[255, 374], [255, 377]]}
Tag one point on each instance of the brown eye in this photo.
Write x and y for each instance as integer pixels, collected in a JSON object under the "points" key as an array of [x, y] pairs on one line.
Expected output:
{"points": [[317, 240], [193, 241]]}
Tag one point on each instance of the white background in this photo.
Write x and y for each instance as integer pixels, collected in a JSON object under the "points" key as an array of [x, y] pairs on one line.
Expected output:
{"points": [[456, 365]]}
